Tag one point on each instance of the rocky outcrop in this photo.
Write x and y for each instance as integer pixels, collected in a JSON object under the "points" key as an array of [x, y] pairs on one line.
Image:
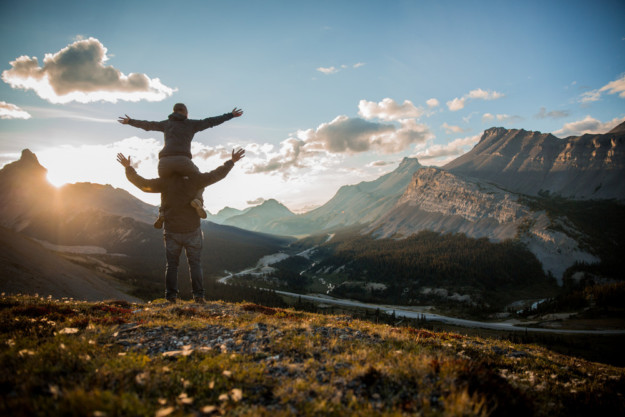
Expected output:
{"points": [[584, 167], [444, 202]]}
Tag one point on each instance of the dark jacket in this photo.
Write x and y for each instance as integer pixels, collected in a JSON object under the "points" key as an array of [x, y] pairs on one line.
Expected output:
{"points": [[179, 131], [176, 194]]}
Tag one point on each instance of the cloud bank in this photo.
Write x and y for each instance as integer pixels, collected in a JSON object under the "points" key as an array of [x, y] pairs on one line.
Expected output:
{"points": [[78, 73], [11, 111], [329, 142]]}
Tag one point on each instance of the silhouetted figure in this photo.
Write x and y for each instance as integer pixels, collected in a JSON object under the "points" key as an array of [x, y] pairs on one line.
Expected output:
{"points": [[181, 220]]}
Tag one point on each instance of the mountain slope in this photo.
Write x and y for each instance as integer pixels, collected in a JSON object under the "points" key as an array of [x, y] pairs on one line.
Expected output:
{"points": [[440, 201], [257, 218], [27, 267], [81, 216], [584, 167], [352, 204]]}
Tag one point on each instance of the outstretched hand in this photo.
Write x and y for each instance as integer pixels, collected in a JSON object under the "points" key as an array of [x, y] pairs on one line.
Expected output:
{"points": [[238, 155], [237, 112], [125, 120], [123, 160]]}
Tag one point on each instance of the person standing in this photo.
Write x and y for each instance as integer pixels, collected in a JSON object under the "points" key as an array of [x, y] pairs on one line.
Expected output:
{"points": [[182, 222]]}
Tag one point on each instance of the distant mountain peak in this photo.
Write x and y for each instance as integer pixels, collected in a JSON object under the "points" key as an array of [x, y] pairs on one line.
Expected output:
{"points": [[28, 165], [28, 156], [618, 129]]}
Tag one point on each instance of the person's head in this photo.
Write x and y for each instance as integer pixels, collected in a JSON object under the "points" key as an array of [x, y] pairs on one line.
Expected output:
{"points": [[181, 108]]}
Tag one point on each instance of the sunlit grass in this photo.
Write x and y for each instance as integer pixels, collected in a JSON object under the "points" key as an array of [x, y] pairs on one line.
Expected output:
{"points": [[63, 357]]}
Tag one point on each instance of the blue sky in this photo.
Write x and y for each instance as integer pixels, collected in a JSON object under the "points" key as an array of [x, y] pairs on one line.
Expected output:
{"points": [[334, 92]]}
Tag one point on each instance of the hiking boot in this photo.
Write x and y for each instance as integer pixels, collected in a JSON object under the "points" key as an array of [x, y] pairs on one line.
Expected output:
{"points": [[158, 224], [199, 208], [199, 300]]}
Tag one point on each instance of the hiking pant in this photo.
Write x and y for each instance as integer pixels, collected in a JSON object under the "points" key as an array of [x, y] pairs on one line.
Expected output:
{"points": [[192, 244]]}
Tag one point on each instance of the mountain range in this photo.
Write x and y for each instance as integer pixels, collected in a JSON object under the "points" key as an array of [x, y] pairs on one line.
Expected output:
{"points": [[504, 189], [105, 229], [584, 167], [489, 192]]}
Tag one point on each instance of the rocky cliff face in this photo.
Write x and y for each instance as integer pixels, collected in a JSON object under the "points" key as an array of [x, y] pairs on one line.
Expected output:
{"points": [[444, 202], [584, 167]]}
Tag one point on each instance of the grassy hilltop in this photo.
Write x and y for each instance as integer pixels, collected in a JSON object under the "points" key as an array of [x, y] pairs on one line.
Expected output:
{"points": [[64, 357]]}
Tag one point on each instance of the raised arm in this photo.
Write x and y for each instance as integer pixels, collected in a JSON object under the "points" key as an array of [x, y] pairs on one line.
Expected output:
{"points": [[154, 185], [143, 124], [208, 178], [217, 120]]}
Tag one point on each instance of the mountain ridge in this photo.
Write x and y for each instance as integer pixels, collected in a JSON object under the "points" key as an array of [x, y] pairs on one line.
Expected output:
{"points": [[578, 167]]}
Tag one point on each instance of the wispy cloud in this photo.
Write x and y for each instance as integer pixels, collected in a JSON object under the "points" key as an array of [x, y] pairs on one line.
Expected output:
{"points": [[458, 103], [613, 87], [78, 73], [587, 125], [334, 70], [452, 129], [487, 117], [62, 113], [11, 111], [554, 114]]}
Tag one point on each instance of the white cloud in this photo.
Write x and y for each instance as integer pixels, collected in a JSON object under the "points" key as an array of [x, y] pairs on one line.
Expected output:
{"points": [[334, 70], [456, 104], [441, 154], [388, 110], [487, 117], [432, 103], [328, 70], [587, 125], [590, 96], [326, 145], [78, 73], [452, 129], [477, 94], [11, 111], [484, 95]]}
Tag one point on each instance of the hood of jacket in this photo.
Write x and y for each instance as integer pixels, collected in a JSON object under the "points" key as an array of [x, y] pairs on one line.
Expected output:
{"points": [[177, 116]]}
